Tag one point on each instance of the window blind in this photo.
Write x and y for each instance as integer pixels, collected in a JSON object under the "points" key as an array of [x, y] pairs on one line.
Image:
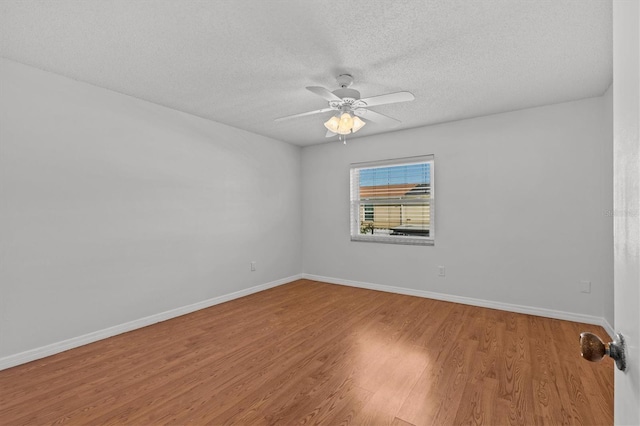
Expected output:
{"points": [[392, 201]]}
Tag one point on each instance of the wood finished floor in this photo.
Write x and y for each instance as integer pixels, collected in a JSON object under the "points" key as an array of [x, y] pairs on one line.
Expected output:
{"points": [[316, 353]]}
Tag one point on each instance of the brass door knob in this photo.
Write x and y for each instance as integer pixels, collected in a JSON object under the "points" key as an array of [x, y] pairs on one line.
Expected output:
{"points": [[593, 349]]}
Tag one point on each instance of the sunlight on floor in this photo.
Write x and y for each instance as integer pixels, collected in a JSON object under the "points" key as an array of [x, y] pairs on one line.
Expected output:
{"points": [[387, 367]]}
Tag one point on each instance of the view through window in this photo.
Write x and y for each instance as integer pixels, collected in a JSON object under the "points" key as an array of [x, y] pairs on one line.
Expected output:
{"points": [[392, 201]]}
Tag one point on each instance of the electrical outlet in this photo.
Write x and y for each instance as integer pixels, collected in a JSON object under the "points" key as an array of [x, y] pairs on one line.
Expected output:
{"points": [[253, 265], [441, 271], [585, 286]]}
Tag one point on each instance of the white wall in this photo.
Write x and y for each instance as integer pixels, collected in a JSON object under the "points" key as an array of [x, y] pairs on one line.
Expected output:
{"points": [[608, 297], [521, 209], [114, 209]]}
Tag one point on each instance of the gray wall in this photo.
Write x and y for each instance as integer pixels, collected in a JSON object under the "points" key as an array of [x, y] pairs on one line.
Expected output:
{"points": [[608, 300], [521, 203], [114, 209]]}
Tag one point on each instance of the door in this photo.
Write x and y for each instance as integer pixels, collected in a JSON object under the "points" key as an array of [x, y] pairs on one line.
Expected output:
{"points": [[626, 203]]}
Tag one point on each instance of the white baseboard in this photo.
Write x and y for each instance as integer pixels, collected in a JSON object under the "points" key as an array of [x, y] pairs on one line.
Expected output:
{"points": [[608, 328], [54, 348], [521, 309]]}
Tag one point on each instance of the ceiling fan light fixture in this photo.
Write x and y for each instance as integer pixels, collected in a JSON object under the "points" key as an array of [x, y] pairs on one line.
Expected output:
{"points": [[332, 124], [357, 124], [346, 123]]}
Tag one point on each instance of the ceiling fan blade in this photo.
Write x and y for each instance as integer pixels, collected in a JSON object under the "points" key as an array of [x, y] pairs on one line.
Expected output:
{"points": [[389, 98], [376, 117], [318, 111], [329, 134], [321, 91]]}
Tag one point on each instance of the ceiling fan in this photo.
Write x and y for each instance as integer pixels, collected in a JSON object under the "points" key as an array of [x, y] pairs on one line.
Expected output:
{"points": [[350, 109]]}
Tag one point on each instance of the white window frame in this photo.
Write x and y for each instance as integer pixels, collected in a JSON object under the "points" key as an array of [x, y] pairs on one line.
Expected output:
{"points": [[355, 203]]}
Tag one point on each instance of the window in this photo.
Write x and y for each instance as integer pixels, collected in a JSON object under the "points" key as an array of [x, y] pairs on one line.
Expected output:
{"points": [[392, 201], [368, 212]]}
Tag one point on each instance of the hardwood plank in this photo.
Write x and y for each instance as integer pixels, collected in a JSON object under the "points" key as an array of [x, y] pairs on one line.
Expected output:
{"points": [[548, 387], [315, 353], [400, 422], [477, 406], [438, 391]]}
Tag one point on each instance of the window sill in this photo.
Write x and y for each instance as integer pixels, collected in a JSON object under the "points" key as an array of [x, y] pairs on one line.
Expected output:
{"points": [[413, 241]]}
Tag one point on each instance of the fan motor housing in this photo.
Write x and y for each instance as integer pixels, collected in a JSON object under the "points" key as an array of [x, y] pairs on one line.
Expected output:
{"points": [[347, 93]]}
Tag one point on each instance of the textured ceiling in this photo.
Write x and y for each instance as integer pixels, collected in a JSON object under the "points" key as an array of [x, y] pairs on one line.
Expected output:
{"points": [[246, 62]]}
